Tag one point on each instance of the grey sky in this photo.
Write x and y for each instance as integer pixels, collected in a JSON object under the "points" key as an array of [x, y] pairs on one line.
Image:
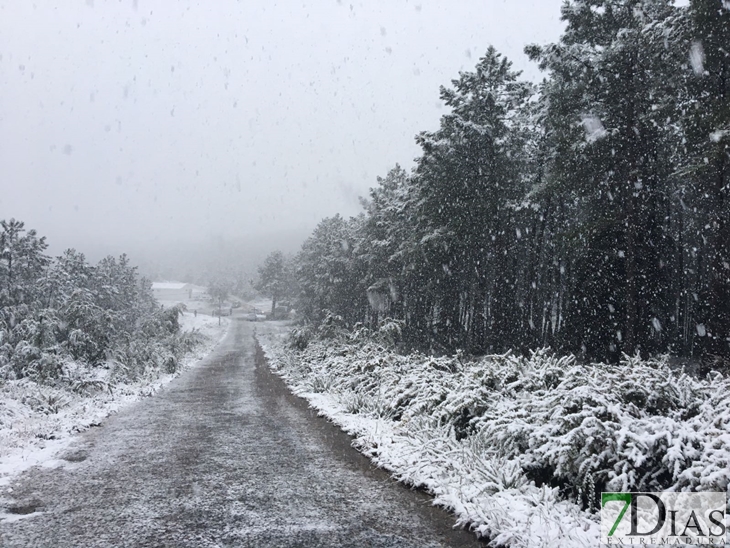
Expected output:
{"points": [[135, 121]]}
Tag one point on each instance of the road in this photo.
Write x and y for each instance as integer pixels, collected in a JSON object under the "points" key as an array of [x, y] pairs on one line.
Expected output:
{"points": [[224, 456]]}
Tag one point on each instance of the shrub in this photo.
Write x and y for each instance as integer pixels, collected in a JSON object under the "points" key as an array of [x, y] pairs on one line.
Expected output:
{"points": [[635, 426], [299, 337]]}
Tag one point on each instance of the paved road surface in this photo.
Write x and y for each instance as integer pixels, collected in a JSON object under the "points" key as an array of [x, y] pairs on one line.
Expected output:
{"points": [[225, 456]]}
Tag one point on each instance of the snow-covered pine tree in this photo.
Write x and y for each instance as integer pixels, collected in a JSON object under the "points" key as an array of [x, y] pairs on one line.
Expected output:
{"points": [[469, 172], [610, 115], [330, 272]]}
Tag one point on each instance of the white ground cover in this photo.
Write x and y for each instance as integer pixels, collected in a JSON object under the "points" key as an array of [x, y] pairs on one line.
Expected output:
{"points": [[477, 434], [38, 421]]}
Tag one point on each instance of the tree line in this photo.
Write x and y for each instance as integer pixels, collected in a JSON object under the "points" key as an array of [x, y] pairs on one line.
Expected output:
{"points": [[57, 311], [588, 213]]}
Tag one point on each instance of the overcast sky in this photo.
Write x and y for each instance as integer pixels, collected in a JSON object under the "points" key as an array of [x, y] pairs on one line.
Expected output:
{"points": [[155, 121]]}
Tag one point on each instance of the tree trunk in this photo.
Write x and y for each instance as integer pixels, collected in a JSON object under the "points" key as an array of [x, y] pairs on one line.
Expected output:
{"points": [[719, 317], [631, 309]]}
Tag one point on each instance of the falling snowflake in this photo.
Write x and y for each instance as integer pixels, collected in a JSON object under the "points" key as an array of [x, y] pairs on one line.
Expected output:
{"points": [[697, 57], [594, 128], [716, 136]]}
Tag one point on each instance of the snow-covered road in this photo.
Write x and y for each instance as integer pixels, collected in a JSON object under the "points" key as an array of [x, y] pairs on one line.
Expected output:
{"points": [[224, 457]]}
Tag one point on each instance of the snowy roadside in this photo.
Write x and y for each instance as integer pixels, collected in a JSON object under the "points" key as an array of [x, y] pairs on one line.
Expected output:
{"points": [[466, 432], [488, 495], [37, 422]]}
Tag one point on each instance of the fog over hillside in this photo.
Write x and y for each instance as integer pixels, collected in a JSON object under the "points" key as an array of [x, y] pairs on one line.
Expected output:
{"points": [[160, 128]]}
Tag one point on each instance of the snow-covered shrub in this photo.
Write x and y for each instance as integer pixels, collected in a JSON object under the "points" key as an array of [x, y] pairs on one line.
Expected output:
{"points": [[47, 401], [300, 336], [540, 434], [621, 427], [390, 332], [332, 326], [319, 383], [65, 309]]}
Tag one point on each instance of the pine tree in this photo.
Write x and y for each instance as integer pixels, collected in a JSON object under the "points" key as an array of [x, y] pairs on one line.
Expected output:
{"points": [[469, 172], [330, 272], [609, 96], [22, 261], [274, 279]]}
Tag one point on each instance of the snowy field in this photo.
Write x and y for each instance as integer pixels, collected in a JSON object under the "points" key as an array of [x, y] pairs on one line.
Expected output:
{"points": [[479, 434], [36, 421]]}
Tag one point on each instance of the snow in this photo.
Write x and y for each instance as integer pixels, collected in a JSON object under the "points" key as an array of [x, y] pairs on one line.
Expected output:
{"points": [[469, 432], [37, 422], [594, 128], [488, 494], [656, 324], [168, 285], [697, 58]]}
